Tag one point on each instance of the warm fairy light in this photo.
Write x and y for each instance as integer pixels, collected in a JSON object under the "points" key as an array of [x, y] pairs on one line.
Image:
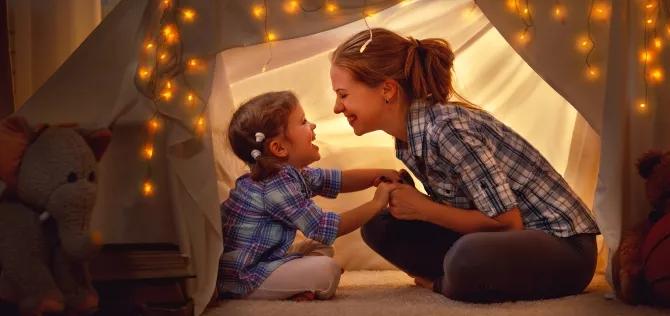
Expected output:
{"points": [[584, 43], [153, 125], [148, 151], [523, 37], [258, 11], [169, 34], [291, 6], [331, 7], [163, 57], [149, 46], [656, 74], [646, 56], [144, 73], [559, 12], [649, 22], [369, 13], [165, 4], [190, 98], [271, 36], [188, 15], [166, 94], [650, 5], [592, 72], [148, 188], [642, 106], [511, 5], [601, 11], [200, 124], [658, 43], [193, 62]]}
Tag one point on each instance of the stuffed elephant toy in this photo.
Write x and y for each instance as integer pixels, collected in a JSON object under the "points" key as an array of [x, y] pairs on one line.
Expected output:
{"points": [[47, 194]]}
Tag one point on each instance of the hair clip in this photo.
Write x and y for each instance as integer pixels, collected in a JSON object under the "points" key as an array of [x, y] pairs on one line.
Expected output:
{"points": [[255, 154], [259, 137]]}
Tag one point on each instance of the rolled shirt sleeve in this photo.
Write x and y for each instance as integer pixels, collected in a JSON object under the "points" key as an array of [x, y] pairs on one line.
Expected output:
{"points": [[476, 164], [323, 182], [288, 202]]}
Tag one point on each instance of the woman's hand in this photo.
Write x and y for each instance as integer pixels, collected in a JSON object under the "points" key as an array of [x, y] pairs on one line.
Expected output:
{"points": [[407, 203], [383, 193]]}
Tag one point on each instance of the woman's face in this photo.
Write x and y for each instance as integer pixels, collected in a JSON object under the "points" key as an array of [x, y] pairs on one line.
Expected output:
{"points": [[361, 104]]}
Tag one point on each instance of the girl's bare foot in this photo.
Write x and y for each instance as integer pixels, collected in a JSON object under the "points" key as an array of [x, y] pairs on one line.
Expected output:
{"points": [[419, 281], [304, 297]]}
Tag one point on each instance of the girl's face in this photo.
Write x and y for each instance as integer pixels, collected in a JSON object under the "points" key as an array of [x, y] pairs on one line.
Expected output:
{"points": [[300, 135], [361, 104]]}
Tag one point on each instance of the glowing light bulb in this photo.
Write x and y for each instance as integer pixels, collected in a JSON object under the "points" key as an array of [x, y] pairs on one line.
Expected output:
{"points": [[200, 124], [523, 37], [511, 5], [170, 34], [149, 46], [656, 74], [148, 151], [658, 43], [144, 73], [331, 7], [167, 95], [601, 11], [646, 56], [193, 62], [188, 15], [165, 4], [649, 22], [592, 72], [271, 36], [153, 125], [642, 106], [148, 188], [258, 11], [163, 57], [584, 43], [291, 6], [190, 98], [559, 12]]}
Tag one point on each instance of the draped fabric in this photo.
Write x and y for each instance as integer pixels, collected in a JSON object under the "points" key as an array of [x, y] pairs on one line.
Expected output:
{"points": [[610, 104]]}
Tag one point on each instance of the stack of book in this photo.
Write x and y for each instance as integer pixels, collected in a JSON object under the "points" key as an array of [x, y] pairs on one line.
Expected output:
{"points": [[142, 279]]}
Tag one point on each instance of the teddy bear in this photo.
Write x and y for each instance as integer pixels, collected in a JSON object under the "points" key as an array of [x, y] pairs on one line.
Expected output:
{"points": [[48, 188], [641, 264]]}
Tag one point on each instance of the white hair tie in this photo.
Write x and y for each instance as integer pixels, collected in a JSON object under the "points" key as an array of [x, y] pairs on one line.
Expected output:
{"points": [[259, 137], [255, 154]]}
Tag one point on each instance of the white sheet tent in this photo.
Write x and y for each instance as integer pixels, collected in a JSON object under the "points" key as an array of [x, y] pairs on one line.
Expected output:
{"points": [[589, 130]]}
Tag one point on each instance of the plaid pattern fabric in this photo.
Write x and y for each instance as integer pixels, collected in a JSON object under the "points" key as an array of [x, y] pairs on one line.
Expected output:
{"points": [[468, 159], [260, 220]]}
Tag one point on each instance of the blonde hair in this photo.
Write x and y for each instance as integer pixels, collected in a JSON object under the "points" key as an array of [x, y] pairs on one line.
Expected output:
{"points": [[422, 68]]}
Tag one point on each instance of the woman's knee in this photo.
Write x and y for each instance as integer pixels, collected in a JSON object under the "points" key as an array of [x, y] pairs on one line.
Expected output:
{"points": [[374, 231]]}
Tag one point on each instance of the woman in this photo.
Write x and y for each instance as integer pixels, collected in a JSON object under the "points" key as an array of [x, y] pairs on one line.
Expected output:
{"points": [[499, 223]]}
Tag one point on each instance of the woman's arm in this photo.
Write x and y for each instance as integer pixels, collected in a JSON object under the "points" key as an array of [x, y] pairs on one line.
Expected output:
{"points": [[409, 204], [360, 179]]}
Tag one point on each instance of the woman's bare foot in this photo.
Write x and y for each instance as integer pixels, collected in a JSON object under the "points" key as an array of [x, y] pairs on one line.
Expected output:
{"points": [[304, 297], [419, 281]]}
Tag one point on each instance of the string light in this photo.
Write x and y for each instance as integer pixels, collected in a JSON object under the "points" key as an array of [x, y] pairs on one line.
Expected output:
{"points": [[148, 151], [584, 43], [523, 37], [170, 34], [190, 98], [592, 72], [601, 11], [524, 12], [144, 73], [188, 15], [258, 11], [153, 125], [149, 46], [148, 188], [559, 12], [646, 56], [331, 7], [656, 75], [291, 6], [271, 36]]}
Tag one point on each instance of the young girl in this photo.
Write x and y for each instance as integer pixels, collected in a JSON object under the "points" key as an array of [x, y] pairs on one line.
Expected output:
{"points": [[260, 218], [499, 223]]}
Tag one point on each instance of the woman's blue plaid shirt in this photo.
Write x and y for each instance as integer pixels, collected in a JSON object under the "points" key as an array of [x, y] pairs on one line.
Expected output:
{"points": [[468, 159], [260, 220]]}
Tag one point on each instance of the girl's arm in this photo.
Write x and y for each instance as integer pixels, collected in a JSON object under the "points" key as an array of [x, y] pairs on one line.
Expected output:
{"points": [[360, 179], [409, 204]]}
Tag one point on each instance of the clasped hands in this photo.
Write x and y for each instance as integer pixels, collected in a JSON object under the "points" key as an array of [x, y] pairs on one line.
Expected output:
{"points": [[405, 202]]}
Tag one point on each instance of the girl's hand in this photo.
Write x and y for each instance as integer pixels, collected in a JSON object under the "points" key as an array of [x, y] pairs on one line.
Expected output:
{"points": [[407, 203], [383, 193], [387, 175]]}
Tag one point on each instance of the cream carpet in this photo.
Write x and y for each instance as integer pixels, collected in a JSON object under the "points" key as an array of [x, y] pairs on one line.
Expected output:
{"points": [[390, 293]]}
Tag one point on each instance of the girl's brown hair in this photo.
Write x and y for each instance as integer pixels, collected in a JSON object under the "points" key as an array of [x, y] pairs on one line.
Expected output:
{"points": [[267, 113], [422, 68]]}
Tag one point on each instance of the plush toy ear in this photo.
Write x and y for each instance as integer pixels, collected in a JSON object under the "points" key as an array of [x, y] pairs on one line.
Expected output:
{"points": [[15, 135], [98, 140], [646, 163]]}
